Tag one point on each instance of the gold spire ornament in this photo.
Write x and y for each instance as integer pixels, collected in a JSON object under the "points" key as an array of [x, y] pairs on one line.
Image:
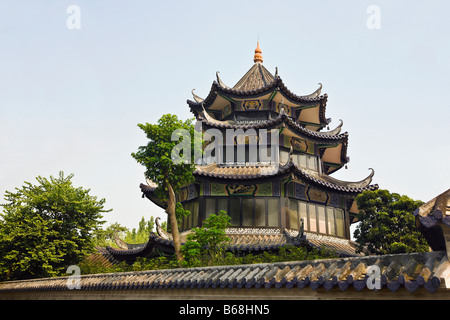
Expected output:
{"points": [[258, 54]]}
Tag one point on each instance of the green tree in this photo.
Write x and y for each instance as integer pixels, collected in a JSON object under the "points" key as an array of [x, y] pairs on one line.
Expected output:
{"points": [[207, 244], [143, 232], [46, 227], [156, 157], [105, 237], [387, 224], [180, 212]]}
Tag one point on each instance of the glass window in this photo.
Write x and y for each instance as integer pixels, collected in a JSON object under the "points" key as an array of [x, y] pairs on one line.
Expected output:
{"points": [[222, 204], [302, 161], [293, 214], [312, 217], [210, 207], [339, 215], [303, 214], [247, 212], [252, 151], [185, 206], [189, 217], [330, 221], [273, 212], [185, 223], [264, 154], [321, 218], [235, 211], [296, 159], [312, 163], [260, 212], [284, 156], [195, 214]]}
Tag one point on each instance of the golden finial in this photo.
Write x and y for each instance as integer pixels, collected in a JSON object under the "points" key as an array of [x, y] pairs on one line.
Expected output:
{"points": [[258, 54]]}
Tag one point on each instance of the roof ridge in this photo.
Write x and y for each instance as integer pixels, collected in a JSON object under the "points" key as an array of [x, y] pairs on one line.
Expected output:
{"points": [[250, 79], [327, 273], [330, 135]]}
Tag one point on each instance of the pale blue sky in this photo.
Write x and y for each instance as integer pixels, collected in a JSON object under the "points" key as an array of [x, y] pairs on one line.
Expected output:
{"points": [[71, 99]]}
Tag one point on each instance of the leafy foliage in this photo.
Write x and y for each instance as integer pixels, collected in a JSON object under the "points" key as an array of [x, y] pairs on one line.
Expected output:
{"points": [[105, 237], [387, 224], [180, 212], [207, 244], [142, 233], [156, 157], [47, 227]]}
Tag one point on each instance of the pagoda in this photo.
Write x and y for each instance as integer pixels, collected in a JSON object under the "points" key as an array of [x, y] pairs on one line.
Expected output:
{"points": [[287, 197]]}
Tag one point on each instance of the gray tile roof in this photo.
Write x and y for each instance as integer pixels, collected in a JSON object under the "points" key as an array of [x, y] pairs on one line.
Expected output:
{"points": [[257, 77], [433, 220], [242, 241], [260, 171], [435, 210], [430, 271], [281, 119], [277, 83]]}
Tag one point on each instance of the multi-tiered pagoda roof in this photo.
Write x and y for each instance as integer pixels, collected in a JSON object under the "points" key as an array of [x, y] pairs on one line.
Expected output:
{"points": [[291, 200], [301, 117]]}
